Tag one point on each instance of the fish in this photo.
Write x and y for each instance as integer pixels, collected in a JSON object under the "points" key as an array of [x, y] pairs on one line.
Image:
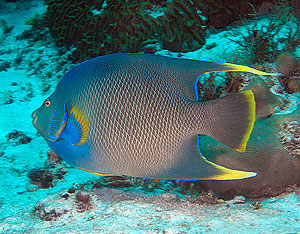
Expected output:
{"points": [[277, 170], [139, 115]]}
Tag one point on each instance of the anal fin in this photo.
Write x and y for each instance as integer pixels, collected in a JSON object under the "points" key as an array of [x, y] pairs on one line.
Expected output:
{"points": [[96, 173], [192, 165]]}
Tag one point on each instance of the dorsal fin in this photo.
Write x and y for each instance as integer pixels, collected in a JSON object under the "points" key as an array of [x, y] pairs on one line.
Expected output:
{"points": [[188, 72]]}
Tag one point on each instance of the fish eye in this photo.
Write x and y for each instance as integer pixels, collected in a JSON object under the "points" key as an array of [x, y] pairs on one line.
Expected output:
{"points": [[47, 103]]}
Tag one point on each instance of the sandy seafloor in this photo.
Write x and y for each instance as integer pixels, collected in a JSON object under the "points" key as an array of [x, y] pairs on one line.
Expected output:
{"points": [[113, 210]]}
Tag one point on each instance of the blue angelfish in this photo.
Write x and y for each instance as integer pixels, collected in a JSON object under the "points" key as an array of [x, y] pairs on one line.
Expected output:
{"points": [[139, 115]]}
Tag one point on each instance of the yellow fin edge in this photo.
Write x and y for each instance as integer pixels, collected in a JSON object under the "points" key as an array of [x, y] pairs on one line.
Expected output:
{"points": [[235, 67], [83, 123], [252, 117], [96, 173], [228, 174]]}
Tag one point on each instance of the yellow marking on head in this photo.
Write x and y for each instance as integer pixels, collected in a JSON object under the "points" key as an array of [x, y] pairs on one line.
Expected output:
{"points": [[235, 67], [252, 117], [96, 173], [83, 121]]}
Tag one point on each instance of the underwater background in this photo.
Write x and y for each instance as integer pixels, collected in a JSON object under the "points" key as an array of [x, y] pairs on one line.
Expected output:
{"points": [[41, 40]]}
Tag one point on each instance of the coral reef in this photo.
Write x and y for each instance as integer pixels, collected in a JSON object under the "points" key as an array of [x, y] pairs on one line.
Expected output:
{"points": [[182, 27], [44, 177], [208, 90], [295, 4], [263, 43], [102, 27], [221, 13]]}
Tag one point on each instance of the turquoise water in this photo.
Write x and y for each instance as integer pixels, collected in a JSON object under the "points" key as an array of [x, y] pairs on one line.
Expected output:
{"points": [[39, 193]]}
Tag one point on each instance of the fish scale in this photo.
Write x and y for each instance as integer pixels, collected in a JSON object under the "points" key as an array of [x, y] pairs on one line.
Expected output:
{"points": [[141, 116], [133, 120]]}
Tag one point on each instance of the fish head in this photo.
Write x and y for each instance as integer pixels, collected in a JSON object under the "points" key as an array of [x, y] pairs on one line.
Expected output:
{"points": [[51, 118]]}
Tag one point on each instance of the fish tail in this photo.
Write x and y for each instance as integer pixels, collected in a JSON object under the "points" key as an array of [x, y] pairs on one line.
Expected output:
{"points": [[231, 119]]}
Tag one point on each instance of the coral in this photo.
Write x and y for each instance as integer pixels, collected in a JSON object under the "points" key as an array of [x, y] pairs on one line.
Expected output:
{"points": [[290, 138], [37, 21], [5, 29], [208, 90], [96, 27], [233, 82], [264, 43], [37, 31], [18, 138], [83, 202], [221, 13], [8, 97], [53, 170], [290, 68], [53, 157], [41, 177], [182, 26], [258, 45], [295, 4], [207, 198], [48, 215]]}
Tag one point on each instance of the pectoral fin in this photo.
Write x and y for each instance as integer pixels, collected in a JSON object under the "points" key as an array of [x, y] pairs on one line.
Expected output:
{"points": [[77, 126]]}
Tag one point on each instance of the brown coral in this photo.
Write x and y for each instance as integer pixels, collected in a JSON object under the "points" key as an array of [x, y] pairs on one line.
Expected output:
{"points": [[290, 68], [83, 202], [96, 28], [221, 13], [182, 26]]}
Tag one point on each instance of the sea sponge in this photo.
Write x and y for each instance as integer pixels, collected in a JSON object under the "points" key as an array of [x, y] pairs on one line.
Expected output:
{"points": [[290, 68], [98, 27], [286, 63]]}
